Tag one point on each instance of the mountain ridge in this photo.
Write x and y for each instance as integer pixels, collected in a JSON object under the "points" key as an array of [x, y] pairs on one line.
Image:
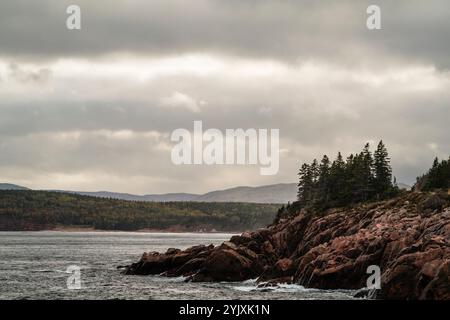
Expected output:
{"points": [[272, 193], [10, 186]]}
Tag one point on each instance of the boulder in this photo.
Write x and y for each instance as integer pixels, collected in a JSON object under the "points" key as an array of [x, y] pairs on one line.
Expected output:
{"points": [[243, 239], [225, 265]]}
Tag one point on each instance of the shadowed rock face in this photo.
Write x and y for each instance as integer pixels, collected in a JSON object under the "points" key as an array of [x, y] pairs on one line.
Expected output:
{"points": [[407, 237]]}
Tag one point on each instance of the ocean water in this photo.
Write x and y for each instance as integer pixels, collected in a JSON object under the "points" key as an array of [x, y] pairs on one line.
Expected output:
{"points": [[33, 265]]}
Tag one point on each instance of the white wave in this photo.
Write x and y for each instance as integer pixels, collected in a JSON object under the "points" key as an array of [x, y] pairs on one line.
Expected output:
{"points": [[170, 279], [282, 287]]}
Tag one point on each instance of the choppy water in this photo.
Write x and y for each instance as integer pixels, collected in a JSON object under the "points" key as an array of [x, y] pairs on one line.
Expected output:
{"points": [[33, 266]]}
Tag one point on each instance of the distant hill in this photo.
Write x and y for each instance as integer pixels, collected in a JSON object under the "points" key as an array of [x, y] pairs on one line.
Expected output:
{"points": [[276, 193], [10, 186], [46, 210], [168, 197]]}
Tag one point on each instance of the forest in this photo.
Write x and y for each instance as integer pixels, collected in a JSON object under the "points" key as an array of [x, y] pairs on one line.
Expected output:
{"points": [[360, 177], [45, 210], [364, 176]]}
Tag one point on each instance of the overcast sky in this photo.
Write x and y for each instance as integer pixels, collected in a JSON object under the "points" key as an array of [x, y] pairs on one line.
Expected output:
{"points": [[93, 109]]}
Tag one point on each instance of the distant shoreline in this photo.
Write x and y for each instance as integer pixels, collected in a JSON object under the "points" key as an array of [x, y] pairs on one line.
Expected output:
{"points": [[42, 210], [93, 230]]}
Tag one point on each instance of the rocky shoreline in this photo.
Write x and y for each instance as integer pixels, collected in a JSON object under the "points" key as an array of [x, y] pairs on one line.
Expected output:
{"points": [[408, 237]]}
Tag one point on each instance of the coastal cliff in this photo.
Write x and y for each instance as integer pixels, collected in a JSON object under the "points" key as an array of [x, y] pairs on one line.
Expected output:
{"points": [[408, 237]]}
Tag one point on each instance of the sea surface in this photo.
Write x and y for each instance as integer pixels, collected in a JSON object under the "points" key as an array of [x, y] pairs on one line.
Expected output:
{"points": [[34, 265]]}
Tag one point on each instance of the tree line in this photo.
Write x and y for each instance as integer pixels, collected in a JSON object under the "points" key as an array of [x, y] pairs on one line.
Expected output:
{"points": [[437, 177], [360, 177], [40, 210]]}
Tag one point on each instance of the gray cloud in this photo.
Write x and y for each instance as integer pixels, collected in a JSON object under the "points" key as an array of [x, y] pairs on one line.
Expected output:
{"points": [[21, 75], [94, 109], [68, 136], [286, 30]]}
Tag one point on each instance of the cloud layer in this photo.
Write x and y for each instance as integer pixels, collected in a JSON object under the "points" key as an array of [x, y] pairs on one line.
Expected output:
{"points": [[93, 109]]}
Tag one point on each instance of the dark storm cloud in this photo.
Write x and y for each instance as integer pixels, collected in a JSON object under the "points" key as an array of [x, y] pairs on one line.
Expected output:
{"points": [[286, 30]]}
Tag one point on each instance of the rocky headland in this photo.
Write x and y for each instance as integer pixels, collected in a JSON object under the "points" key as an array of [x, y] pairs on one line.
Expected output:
{"points": [[408, 237]]}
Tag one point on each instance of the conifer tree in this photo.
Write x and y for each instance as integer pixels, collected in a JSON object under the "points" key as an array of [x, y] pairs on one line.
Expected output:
{"points": [[337, 180], [361, 177], [303, 182], [383, 172], [314, 174], [323, 182], [438, 177], [366, 173]]}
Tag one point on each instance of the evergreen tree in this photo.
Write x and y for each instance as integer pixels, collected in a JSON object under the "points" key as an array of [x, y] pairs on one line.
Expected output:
{"points": [[366, 173], [361, 177], [350, 182], [337, 179], [323, 182], [434, 174], [383, 173], [314, 173], [438, 177], [303, 183]]}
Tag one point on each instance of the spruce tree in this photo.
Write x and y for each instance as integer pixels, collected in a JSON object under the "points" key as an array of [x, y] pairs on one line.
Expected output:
{"points": [[383, 172], [303, 182], [366, 173], [314, 173], [323, 182], [438, 177], [337, 180]]}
